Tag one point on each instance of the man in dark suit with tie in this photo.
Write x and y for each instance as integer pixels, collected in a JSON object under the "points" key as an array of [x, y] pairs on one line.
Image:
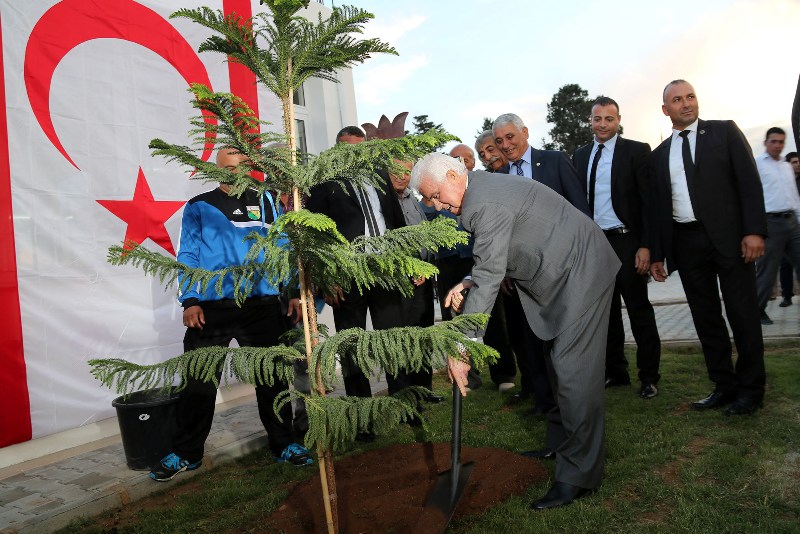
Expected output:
{"points": [[711, 229], [553, 169], [360, 212], [564, 270], [619, 187]]}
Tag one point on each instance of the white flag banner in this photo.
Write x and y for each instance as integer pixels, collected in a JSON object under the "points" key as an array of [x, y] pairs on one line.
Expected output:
{"points": [[87, 85]]}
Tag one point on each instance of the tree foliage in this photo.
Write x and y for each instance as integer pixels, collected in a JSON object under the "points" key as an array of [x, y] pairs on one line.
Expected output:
{"points": [[487, 125], [569, 111]]}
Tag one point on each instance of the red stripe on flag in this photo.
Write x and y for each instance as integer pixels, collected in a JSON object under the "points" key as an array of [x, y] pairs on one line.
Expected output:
{"points": [[243, 80], [15, 407]]}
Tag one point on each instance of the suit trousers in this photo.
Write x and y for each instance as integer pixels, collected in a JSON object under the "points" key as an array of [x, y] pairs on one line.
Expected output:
{"points": [[576, 428], [253, 325], [787, 278], [417, 311], [701, 266], [783, 239], [530, 351], [632, 288], [385, 310]]}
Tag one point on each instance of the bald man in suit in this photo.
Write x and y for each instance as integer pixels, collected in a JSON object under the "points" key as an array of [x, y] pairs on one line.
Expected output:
{"points": [[711, 229], [564, 270]]}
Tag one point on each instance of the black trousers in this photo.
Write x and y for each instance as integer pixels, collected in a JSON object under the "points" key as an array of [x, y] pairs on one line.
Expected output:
{"points": [[787, 278], [701, 266], [452, 270], [631, 287], [385, 310], [417, 311], [256, 324], [530, 351]]}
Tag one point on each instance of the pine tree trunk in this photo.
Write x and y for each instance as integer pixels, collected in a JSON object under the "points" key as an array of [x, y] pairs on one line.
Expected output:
{"points": [[324, 457]]}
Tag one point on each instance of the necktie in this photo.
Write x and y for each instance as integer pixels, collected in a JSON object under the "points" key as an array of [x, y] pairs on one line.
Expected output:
{"points": [[518, 165], [366, 207], [688, 163], [593, 177]]}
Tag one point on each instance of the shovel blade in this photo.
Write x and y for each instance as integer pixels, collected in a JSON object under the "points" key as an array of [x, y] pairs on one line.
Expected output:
{"points": [[447, 490]]}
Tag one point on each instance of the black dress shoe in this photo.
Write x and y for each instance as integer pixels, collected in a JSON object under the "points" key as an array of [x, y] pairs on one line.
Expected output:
{"points": [[541, 454], [516, 398], [612, 382], [787, 301], [765, 320], [716, 399], [743, 406], [561, 494], [434, 399]]}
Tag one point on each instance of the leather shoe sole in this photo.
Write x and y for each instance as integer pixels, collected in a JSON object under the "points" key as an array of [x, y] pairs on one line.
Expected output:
{"points": [[561, 494], [541, 454], [616, 382]]}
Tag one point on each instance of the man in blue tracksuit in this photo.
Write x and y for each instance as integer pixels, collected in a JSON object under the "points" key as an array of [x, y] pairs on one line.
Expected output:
{"points": [[212, 237]]}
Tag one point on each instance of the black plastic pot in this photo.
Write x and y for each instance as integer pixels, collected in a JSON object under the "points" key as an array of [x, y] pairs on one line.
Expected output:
{"points": [[146, 424]]}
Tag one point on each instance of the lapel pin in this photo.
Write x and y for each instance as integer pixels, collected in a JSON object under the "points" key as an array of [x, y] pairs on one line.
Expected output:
{"points": [[702, 132], [538, 163]]}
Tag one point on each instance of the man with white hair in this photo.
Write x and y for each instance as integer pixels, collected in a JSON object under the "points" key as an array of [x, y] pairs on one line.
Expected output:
{"points": [[564, 270]]}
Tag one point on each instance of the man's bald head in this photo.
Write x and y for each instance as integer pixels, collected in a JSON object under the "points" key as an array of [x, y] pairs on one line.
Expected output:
{"points": [[230, 158], [466, 154]]}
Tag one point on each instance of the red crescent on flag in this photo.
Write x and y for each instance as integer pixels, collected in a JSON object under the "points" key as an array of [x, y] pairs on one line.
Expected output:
{"points": [[70, 23]]}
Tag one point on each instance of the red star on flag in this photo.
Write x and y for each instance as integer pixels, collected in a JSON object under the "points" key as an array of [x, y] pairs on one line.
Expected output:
{"points": [[145, 215]]}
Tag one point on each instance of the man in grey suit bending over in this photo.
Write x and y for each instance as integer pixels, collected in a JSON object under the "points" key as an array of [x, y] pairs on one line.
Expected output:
{"points": [[564, 270]]}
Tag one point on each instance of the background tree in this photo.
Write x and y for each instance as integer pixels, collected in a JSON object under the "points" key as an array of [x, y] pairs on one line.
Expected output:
{"points": [[302, 248], [422, 124], [487, 125], [569, 111]]}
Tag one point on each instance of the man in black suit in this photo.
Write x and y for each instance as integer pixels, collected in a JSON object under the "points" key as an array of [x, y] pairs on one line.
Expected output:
{"points": [[359, 212], [554, 169], [711, 228], [616, 175]]}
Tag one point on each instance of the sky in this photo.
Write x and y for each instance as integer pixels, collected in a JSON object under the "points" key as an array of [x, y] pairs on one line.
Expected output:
{"points": [[462, 61]]}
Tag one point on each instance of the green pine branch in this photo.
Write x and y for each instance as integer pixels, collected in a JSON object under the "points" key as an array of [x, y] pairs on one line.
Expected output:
{"points": [[268, 42], [252, 365], [403, 348], [335, 421]]}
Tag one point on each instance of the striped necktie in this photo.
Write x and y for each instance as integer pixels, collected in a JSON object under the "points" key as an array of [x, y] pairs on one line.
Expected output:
{"points": [[518, 165]]}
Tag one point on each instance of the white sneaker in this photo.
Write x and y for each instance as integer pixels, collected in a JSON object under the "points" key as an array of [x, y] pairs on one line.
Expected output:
{"points": [[505, 386]]}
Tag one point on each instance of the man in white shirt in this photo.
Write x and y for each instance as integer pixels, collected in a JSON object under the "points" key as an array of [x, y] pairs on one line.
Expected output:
{"points": [[782, 205]]}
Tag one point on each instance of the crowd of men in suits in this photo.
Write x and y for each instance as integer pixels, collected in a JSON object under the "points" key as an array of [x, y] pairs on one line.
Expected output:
{"points": [[695, 204], [558, 243]]}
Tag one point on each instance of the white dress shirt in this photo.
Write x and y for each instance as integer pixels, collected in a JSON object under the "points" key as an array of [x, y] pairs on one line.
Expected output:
{"points": [[375, 204], [681, 202], [604, 214], [527, 169], [777, 180]]}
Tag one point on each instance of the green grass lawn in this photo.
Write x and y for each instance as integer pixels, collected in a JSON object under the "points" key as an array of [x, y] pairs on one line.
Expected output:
{"points": [[668, 469]]}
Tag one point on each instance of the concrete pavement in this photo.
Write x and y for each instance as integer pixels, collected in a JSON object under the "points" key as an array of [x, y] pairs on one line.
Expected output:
{"points": [[45, 494]]}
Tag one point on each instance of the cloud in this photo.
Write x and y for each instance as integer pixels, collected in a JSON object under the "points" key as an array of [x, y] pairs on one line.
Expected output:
{"points": [[394, 29], [376, 85]]}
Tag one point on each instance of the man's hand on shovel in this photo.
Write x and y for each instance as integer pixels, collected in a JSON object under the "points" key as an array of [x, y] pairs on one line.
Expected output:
{"points": [[457, 369]]}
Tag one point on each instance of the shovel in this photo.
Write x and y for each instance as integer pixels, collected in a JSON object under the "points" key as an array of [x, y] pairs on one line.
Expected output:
{"points": [[450, 484]]}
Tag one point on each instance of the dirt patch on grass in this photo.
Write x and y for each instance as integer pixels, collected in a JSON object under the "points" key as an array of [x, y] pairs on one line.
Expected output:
{"points": [[670, 472], [385, 490]]}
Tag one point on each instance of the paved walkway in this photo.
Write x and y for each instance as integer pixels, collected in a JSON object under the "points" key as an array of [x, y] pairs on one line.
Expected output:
{"points": [[46, 494]]}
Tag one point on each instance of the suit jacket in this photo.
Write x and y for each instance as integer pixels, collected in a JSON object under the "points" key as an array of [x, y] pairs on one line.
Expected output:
{"points": [[554, 169], [342, 205], [560, 260], [726, 194], [632, 187]]}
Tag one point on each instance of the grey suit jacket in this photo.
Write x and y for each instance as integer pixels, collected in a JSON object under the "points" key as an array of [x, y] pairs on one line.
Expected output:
{"points": [[559, 258]]}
